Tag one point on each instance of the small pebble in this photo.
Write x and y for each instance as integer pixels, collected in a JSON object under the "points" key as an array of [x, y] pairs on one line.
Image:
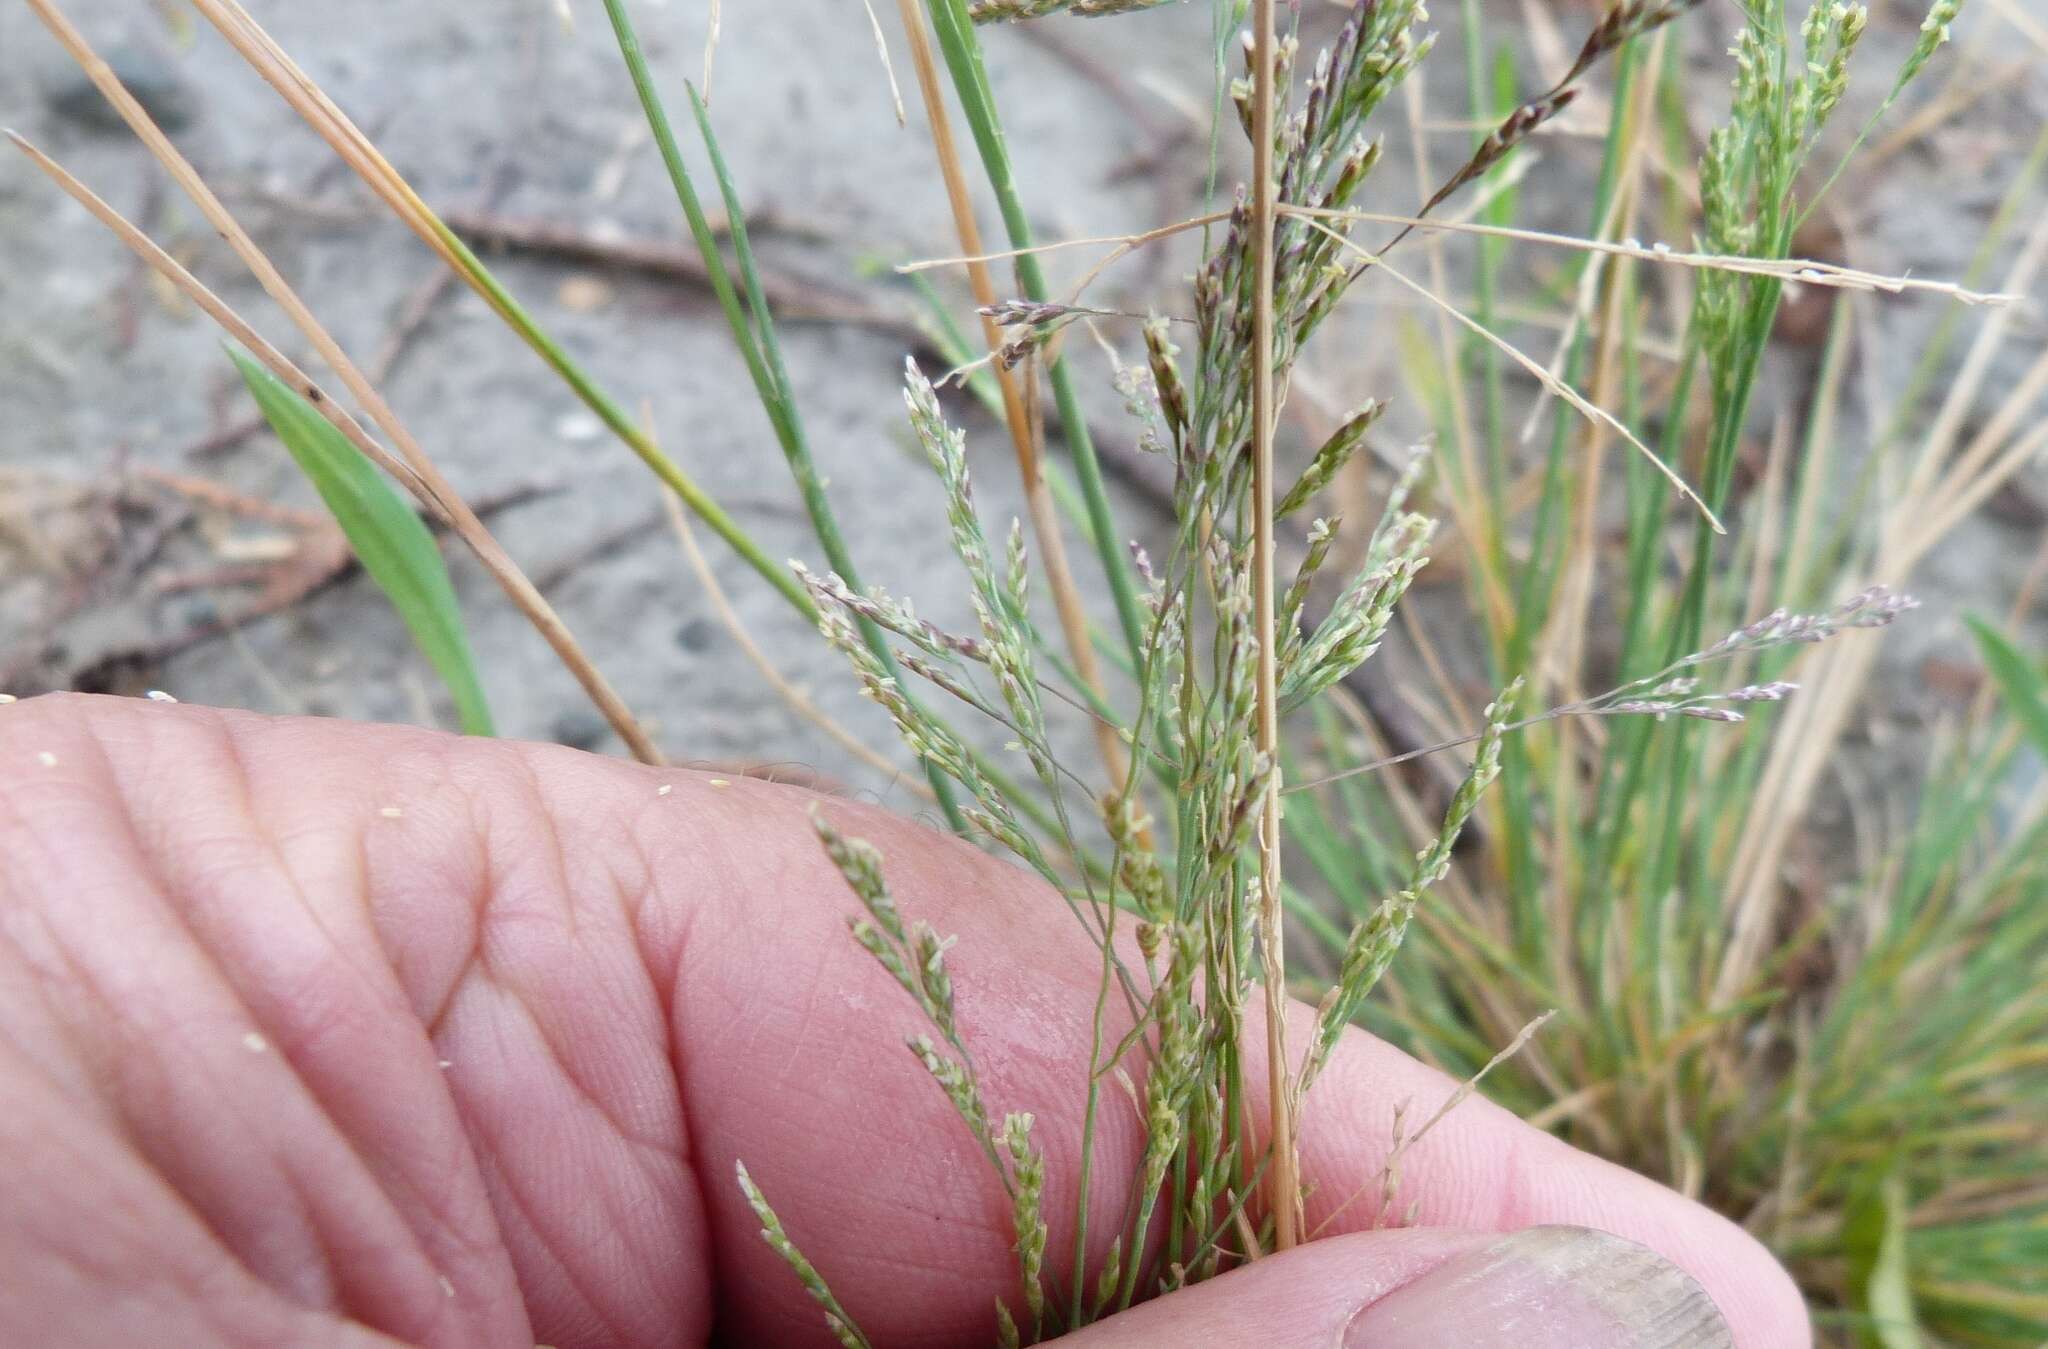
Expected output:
{"points": [[578, 428], [46, 759], [584, 294], [254, 1042], [580, 729], [166, 97], [159, 696], [664, 789], [696, 634]]}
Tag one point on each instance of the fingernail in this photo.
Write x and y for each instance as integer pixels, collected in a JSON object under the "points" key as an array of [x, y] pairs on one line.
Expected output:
{"points": [[1546, 1288]]}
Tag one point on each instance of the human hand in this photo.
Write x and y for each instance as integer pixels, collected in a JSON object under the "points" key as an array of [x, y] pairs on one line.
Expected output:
{"points": [[334, 1035]]}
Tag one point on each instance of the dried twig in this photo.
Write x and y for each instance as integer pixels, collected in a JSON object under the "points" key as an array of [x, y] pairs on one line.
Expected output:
{"points": [[319, 558], [788, 295], [604, 544]]}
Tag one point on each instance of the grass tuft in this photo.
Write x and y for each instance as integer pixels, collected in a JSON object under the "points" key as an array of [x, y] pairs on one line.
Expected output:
{"points": [[1852, 1062]]}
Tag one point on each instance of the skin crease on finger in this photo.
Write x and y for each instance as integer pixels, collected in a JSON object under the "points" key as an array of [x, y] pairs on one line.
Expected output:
{"points": [[460, 1040]]}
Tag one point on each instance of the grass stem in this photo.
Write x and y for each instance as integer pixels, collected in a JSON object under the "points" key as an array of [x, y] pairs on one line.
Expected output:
{"points": [[1284, 1180]]}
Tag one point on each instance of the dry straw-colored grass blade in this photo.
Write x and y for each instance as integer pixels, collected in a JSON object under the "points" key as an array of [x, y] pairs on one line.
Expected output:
{"points": [[1552, 383], [305, 97], [1942, 487], [1024, 429], [1284, 1181], [424, 477]]}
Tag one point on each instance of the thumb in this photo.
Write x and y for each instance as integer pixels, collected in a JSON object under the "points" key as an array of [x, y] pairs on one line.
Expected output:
{"points": [[1423, 1288]]}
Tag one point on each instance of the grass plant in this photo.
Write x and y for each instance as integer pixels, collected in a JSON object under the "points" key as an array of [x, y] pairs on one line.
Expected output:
{"points": [[1857, 1069]]}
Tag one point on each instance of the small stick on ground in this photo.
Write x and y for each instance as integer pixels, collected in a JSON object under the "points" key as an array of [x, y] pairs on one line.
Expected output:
{"points": [[320, 557], [789, 296], [603, 545]]}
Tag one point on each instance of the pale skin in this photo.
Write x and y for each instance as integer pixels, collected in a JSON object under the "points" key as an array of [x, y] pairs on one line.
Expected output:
{"points": [[323, 1034]]}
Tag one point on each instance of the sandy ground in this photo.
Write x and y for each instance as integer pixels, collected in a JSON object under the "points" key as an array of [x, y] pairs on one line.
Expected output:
{"points": [[493, 105]]}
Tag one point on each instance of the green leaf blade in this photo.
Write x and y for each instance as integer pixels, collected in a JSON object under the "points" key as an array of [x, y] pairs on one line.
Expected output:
{"points": [[2024, 687], [390, 541], [1874, 1238]]}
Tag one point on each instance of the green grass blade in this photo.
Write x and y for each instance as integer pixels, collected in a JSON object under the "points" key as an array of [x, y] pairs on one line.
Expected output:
{"points": [[1875, 1239], [962, 52], [2024, 687], [613, 414], [693, 210], [756, 341], [389, 540], [772, 377]]}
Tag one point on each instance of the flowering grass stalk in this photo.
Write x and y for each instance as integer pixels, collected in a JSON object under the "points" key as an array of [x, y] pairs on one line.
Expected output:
{"points": [[1866, 1136]]}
